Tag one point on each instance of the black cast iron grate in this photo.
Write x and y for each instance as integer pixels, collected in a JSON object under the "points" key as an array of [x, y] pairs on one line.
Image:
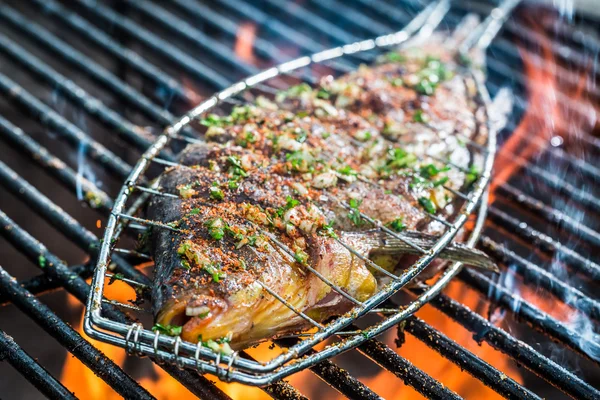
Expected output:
{"points": [[122, 92]]}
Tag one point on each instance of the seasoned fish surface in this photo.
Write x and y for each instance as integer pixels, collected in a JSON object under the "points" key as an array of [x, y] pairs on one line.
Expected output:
{"points": [[272, 207]]}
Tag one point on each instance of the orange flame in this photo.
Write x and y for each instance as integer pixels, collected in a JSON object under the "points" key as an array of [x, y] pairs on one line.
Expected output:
{"points": [[244, 44]]}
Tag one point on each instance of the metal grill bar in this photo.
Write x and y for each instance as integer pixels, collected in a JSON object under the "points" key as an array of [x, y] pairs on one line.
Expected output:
{"points": [[547, 243], [522, 310], [161, 46], [39, 203], [539, 276], [403, 369], [205, 14], [75, 285], [53, 120], [85, 64], [126, 130], [466, 360], [175, 24], [551, 214], [101, 39], [78, 346], [42, 284], [521, 352], [31, 370], [95, 197]]}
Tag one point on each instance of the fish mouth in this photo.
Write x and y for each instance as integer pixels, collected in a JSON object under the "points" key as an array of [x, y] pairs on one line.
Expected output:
{"points": [[193, 312]]}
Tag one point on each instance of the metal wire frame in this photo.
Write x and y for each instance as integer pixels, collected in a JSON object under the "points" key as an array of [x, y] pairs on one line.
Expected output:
{"points": [[93, 315]]}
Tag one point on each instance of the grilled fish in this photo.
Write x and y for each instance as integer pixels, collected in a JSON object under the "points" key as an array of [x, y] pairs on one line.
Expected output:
{"points": [[275, 214]]}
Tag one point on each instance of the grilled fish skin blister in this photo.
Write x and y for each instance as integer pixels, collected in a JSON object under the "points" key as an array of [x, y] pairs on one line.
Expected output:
{"points": [[280, 190]]}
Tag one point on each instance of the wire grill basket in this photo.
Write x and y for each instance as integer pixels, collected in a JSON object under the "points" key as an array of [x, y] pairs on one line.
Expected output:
{"points": [[137, 339]]}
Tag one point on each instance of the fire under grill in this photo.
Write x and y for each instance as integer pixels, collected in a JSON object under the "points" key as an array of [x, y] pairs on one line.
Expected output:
{"points": [[88, 86]]}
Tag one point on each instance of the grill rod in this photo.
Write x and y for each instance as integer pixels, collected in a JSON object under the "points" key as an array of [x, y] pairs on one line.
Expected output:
{"points": [[524, 311], [105, 368], [75, 285], [520, 352], [30, 369]]}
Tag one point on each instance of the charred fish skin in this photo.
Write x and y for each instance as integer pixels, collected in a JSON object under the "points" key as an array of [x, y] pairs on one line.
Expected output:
{"points": [[280, 183]]}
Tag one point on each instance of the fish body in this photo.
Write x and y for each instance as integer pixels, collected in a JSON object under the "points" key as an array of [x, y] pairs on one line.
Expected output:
{"points": [[272, 207]]}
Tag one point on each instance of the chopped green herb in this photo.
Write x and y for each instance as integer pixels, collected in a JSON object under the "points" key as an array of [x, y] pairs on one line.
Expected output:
{"points": [[301, 135], [214, 269], [233, 184], [323, 94], [243, 264], [397, 159], [42, 261], [395, 57], [430, 170], [420, 116], [290, 203], [301, 256], [187, 191], [326, 135], [472, 175], [245, 139], [348, 171], [354, 213], [216, 192], [116, 277], [397, 82], [215, 120], [194, 211], [441, 181], [216, 228], [397, 224], [327, 230], [236, 168], [301, 161], [170, 330], [218, 345], [427, 204]]}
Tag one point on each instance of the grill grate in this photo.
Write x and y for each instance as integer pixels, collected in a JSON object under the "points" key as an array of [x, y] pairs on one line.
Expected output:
{"points": [[225, 18]]}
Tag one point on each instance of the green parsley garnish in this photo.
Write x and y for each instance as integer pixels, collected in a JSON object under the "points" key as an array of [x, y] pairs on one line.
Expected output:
{"points": [[194, 211], [472, 175], [420, 116], [216, 192], [397, 224], [327, 230], [322, 93], [42, 261], [216, 228], [220, 345], [427, 204], [233, 184], [395, 57], [348, 171], [245, 139], [215, 120], [235, 167], [354, 213], [170, 330], [431, 75], [301, 256], [300, 160], [397, 82], [214, 269], [430, 170]]}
